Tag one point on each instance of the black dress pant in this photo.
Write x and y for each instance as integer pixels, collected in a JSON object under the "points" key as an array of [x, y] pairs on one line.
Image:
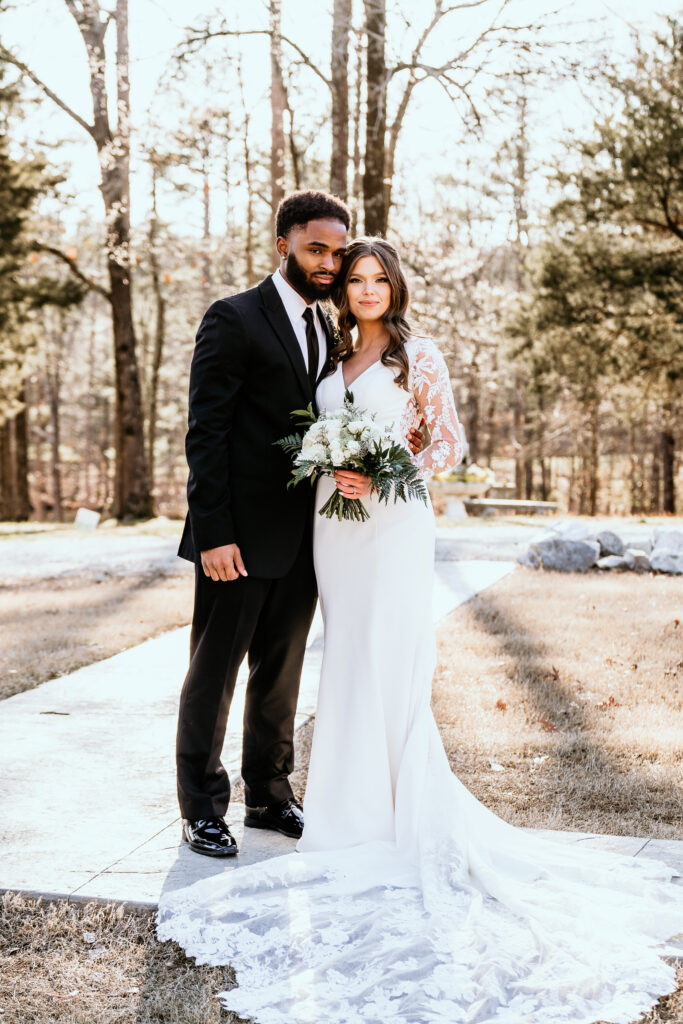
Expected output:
{"points": [[267, 620]]}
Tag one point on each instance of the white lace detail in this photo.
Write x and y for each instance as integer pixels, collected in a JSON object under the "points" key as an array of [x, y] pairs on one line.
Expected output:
{"points": [[430, 384]]}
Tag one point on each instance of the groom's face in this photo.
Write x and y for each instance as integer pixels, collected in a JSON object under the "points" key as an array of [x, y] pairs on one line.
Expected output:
{"points": [[311, 257]]}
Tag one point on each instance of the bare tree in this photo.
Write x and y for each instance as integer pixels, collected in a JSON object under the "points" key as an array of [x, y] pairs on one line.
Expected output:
{"points": [[339, 82], [375, 117], [277, 109], [132, 495]]}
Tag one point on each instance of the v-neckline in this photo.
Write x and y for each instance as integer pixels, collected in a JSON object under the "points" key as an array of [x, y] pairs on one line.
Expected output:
{"points": [[359, 375]]}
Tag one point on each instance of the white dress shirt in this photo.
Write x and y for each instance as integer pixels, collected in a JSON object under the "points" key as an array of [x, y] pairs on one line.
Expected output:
{"points": [[295, 307]]}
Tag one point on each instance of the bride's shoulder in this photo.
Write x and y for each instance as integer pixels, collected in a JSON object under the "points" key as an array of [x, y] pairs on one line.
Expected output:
{"points": [[418, 349], [417, 345]]}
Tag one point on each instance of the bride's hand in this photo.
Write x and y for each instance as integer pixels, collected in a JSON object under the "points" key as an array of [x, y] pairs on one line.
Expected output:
{"points": [[352, 485]]}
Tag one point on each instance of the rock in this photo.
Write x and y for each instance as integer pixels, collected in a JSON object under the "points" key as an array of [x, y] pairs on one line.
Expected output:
{"points": [[641, 559], [640, 545], [567, 555], [663, 560], [570, 531], [619, 562], [530, 557], [610, 544], [669, 540]]}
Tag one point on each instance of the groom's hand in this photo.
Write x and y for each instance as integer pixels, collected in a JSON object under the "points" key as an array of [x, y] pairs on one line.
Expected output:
{"points": [[415, 439], [223, 563]]}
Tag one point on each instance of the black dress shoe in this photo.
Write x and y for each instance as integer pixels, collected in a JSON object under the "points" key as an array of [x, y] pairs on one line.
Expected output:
{"points": [[286, 818], [210, 836]]}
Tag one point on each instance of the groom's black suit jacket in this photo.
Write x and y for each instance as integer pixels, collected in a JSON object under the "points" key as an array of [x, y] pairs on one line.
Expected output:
{"points": [[248, 374]]}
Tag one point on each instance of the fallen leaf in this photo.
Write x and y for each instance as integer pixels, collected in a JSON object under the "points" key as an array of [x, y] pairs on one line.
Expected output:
{"points": [[609, 703], [501, 704], [547, 725]]}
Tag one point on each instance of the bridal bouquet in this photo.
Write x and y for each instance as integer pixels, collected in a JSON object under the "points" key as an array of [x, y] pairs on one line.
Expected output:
{"points": [[349, 438]]}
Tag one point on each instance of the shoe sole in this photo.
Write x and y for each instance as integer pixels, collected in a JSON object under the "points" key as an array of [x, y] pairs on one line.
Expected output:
{"points": [[208, 853], [257, 823]]}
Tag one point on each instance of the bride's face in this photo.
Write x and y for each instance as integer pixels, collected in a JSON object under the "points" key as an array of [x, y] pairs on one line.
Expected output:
{"points": [[368, 290]]}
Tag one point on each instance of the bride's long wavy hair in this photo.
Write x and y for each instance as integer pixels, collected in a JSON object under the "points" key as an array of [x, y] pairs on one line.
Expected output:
{"points": [[394, 319]]}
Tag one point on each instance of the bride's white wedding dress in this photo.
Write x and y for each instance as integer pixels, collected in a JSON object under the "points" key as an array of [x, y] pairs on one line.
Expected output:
{"points": [[408, 900]]}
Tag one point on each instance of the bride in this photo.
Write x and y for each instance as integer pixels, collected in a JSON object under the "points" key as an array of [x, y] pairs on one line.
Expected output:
{"points": [[408, 901]]}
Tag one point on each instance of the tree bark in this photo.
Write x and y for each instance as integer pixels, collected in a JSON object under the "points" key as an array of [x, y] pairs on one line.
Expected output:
{"points": [[376, 118], [341, 27], [357, 156], [6, 472], [668, 453], [593, 471], [131, 495], [22, 509], [54, 401], [472, 411], [277, 108], [655, 502], [159, 334]]}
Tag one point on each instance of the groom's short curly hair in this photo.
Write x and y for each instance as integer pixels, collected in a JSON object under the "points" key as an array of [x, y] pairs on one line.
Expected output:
{"points": [[296, 209]]}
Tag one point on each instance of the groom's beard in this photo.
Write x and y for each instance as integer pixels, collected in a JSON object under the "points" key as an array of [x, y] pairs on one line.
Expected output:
{"points": [[306, 284]]}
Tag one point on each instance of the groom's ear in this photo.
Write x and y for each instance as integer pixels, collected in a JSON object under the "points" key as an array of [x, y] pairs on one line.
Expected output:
{"points": [[282, 246]]}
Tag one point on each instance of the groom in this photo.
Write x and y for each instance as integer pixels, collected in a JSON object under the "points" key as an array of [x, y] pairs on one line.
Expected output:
{"points": [[258, 356]]}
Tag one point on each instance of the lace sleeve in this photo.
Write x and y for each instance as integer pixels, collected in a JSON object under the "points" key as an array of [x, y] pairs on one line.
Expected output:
{"points": [[431, 386]]}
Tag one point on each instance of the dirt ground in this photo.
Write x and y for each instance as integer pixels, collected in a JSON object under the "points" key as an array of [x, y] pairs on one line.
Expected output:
{"points": [[560, 702]]}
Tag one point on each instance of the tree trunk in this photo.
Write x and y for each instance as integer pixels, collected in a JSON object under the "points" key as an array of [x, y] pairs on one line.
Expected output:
{"points": [[357, 176], [54, 400], [472, 412], [277, 108], [668, 455], [22, 509], [341, 27], [159, 335], [376, 118], [6, 473], [593, 480], [131, 495], [206, 227], [655, 502], [518, 407]]}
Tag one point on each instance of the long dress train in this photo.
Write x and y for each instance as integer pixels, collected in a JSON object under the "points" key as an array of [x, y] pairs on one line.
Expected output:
{"points": [[408, 901]]}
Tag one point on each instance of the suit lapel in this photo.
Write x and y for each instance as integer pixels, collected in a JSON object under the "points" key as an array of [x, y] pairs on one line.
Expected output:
{"points": [[280, 322]]}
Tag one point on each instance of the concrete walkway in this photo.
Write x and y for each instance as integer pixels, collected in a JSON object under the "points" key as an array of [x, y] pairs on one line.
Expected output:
{"points": [[87, 779]]}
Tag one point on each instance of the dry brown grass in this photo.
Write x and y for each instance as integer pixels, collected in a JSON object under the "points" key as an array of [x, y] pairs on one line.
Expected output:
{"points": [[590, 672], [53, 627], [64, 963]]}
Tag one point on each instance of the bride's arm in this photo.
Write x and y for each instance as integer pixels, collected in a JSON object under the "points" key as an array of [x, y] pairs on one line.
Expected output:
{"points": [[432, 389]]}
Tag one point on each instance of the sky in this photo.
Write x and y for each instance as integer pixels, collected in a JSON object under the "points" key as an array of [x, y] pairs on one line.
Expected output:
{"points": [[43, 34]]}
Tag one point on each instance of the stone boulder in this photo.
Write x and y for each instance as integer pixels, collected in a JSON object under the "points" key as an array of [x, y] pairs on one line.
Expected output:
{"points": [[610, 543], [567, 555], [645, 545], [664, 560], [619, 562], [669, 540], [529, 558], [640, 559]]}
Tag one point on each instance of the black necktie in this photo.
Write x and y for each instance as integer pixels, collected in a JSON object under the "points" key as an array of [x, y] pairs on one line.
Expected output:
{"points": [[313, 349]]}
